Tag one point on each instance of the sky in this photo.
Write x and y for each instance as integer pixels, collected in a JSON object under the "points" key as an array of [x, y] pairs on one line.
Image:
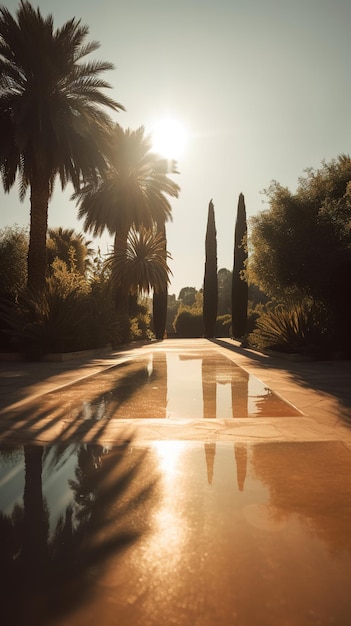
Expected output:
{"points": [[261, 87]]}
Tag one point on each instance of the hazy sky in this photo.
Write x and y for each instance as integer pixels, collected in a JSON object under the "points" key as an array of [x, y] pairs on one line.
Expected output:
{"points": [[263, 88]]}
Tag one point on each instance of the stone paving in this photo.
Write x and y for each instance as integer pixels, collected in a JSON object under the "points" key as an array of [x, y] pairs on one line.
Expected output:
{"points": [[234, 522], [321, 391]]}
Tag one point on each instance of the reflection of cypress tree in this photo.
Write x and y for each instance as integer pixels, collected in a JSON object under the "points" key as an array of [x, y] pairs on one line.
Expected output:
{"points": [[210, 302], [209, 388], [239, 286], [161, 384], [240, 453], [210, 453], [240, 392]]}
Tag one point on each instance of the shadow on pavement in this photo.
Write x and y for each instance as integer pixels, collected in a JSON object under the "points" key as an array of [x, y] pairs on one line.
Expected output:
{"points": [[329, 377]]}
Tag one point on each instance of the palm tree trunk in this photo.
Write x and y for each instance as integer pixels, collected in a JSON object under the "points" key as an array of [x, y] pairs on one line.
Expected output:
{"points": [[122, 288], [160, 299], [39, 200]]}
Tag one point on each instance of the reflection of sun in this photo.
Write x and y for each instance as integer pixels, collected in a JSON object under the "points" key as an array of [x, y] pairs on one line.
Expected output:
{"points": [[168, 455], [169, 138]]}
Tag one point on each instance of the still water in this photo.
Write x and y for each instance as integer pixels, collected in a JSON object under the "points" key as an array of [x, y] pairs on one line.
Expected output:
{"points": [[176, 533], [169, 385]]}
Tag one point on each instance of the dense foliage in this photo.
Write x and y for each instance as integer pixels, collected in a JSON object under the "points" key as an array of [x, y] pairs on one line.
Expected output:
{"points": [[189, 323], [13, 261], [301, 245], [74, 312]]}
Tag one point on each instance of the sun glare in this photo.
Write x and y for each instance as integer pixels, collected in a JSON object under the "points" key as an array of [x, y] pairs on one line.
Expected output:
{"points": [[169, 138]]}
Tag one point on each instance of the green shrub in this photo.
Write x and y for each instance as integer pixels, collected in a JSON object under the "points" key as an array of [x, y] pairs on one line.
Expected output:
{"points": [[47, 323], [71, 315], [13, 261], [188, 323]]}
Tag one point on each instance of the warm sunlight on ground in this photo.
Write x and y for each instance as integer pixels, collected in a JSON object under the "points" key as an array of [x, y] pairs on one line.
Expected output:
{"points": [[169, 138], [168, 455]]}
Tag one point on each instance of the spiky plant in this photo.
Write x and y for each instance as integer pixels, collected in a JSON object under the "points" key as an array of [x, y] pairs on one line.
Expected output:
{"points": [[143, 265], [296, 328]]}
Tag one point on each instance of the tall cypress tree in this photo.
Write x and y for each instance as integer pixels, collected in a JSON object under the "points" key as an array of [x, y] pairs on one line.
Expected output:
{"points": [[210, 302], [239, 284]]}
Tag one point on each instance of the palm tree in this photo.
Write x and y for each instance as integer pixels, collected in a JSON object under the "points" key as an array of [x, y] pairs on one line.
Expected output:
{"points": [[160, 297], [132, 193], [70, 247], [143, 267], [52, 115]]}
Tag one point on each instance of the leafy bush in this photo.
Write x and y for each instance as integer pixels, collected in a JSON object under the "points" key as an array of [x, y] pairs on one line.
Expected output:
{"points": [[50, 322], [13, 260], [71, 315], [140, 319], [188, 323]]}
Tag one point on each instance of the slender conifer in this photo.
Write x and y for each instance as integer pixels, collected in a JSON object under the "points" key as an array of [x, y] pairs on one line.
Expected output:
{"points": [[239, 282], [210, 301]]}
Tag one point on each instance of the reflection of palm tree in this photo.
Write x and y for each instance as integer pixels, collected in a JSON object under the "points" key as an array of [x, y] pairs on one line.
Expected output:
{"points": [[36, 524], [240, 453], [210, 454], [268, 403], [110, 510]]}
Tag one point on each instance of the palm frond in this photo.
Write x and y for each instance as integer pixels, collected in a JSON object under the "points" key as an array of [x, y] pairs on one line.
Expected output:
{"points": [[142, 264]]}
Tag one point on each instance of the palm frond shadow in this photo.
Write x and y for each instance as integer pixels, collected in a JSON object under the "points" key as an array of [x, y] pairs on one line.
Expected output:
{"points": [[66, 408], [110, 509]]}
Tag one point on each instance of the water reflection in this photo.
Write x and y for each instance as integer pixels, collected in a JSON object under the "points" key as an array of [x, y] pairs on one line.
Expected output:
{"points": [[225, 523], [65, 530], [168, 385]]}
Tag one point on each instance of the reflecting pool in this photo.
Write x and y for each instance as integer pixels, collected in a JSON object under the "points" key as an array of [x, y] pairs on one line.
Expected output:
{"points": [[176, 533], [169, 385]]}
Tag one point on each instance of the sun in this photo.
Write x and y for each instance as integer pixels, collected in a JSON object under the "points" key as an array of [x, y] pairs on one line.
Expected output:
{"points": [[169, 138]]}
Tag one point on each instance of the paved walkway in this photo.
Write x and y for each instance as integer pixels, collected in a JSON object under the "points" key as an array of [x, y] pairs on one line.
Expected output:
{"points": [[234, 522], [321, 391]]}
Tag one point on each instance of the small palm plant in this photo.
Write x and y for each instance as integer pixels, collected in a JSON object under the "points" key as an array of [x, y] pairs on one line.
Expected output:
{"points": [[142, 266]]}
